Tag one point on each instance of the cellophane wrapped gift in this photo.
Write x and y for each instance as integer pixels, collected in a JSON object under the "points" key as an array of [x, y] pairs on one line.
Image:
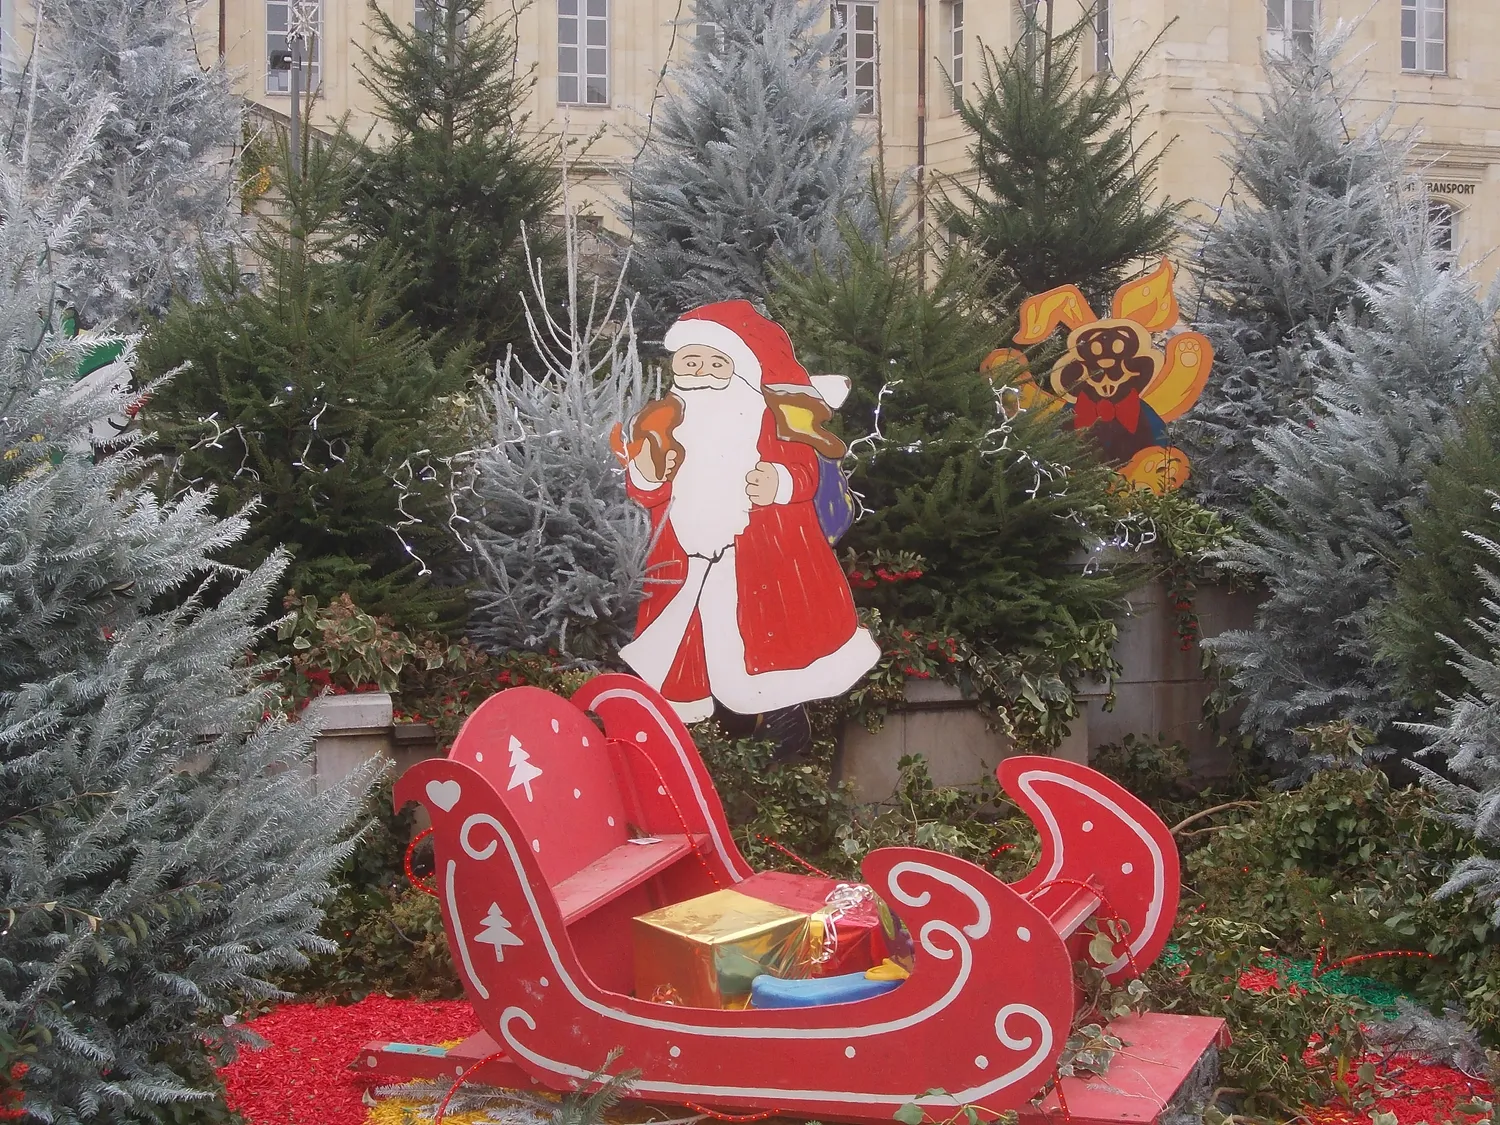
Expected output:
{"points": [[852, 929], [704, 953]]}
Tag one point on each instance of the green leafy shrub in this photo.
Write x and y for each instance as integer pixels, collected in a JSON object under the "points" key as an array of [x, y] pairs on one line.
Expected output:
{"points": [[1290, 1047], [340, 648], [1344, 867], [1155, 770], [800, 807], [389, 934]]}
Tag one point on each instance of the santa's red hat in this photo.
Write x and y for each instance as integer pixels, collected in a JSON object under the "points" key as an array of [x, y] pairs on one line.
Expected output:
{"points": [[761, 350]]}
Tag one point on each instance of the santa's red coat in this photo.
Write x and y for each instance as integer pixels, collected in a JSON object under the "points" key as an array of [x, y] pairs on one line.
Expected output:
{"points": [[793, 603]]}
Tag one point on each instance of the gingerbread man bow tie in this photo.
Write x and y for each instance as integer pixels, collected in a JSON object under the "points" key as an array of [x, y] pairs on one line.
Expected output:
{"points": [[1087, 411]]}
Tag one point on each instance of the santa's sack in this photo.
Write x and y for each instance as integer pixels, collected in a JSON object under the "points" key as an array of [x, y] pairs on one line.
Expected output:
{"points": [[834, 501]]}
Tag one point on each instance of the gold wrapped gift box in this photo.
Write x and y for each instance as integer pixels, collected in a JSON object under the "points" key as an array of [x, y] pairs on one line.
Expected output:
{"points": [[704, 953]]}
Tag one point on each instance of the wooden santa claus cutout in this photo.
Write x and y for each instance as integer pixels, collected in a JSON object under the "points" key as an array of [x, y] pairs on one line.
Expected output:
{"points": [[745, 601]]}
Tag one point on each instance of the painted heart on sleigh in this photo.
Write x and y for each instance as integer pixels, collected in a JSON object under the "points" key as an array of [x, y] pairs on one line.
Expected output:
{"points": [[444, 794]]}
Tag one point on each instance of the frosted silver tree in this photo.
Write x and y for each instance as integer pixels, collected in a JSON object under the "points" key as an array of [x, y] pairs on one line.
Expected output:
{"points": [[1305, 227], [557, 549], [163, 851], [161, 179], [1342, 478], [753, 155]]}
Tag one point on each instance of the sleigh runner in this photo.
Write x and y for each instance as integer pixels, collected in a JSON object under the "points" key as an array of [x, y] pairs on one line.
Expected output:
{"points": [[551, 835]]}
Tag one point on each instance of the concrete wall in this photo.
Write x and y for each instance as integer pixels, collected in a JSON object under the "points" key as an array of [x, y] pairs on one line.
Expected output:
{"points": [[946, 729]]}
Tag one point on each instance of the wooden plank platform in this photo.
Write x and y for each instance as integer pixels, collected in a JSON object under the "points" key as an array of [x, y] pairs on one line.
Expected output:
{"points": [[1160, 1052], [473, 1059]]}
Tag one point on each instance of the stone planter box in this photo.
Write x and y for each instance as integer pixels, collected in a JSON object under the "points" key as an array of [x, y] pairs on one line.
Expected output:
{"points": [[1160, 691], [1161, 688], [359, 727], [937, 722]]}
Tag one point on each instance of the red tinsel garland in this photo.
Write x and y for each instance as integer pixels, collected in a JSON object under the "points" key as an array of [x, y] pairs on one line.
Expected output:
{"points": [[302, 1077]]}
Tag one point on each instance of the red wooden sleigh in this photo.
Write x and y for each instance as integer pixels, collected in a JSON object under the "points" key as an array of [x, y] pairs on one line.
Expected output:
{"points": [[541, 825]]}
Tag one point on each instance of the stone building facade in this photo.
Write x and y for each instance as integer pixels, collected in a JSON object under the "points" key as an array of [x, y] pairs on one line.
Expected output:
{"points": [[602, 65]]}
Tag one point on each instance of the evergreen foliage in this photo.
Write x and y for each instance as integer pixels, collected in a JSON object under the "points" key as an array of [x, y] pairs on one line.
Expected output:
{"points": [[1435, 591], [557, 550], [160, 181], [1002, 511], [163, 852], [308, 392], [1309, 222], [452, 186], [1346, 476], [1064, 189], [752, 156], [1469, 739]]}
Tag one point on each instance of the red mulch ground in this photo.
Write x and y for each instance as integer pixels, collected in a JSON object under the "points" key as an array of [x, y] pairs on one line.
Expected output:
{"points": [[1413, 1090], [1417, 1093], [303, 1077]]}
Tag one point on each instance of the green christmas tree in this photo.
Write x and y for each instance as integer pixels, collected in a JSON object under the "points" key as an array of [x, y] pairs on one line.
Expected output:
{"points": [[1063, 189], [1003, 510], [459, 175], [309, 395], [1436, 591]]}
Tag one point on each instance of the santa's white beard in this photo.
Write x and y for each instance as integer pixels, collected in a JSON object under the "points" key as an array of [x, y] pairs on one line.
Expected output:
{"points": [[719, 434]]}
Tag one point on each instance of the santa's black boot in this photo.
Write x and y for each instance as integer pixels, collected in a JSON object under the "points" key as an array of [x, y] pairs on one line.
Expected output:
{"points": [[790, 730], [733, 723]]}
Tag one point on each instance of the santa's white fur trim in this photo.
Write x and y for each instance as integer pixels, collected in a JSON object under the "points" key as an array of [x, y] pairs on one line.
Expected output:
{"points": [[696, 711], [638, 478], [834, 389], [712, 589], [710, 333], [784, 484], [652, 654]]}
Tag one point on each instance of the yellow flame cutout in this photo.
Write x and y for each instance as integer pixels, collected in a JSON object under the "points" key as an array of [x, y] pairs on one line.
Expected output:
{"points": [[1148, 301], [1044, 312]]}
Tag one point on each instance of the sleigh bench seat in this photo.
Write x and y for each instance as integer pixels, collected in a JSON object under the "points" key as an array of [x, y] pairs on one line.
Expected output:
{"points": [[621, 869], [1066, 906]]}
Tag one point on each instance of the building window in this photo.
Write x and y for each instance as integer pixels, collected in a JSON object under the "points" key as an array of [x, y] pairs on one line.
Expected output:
{"points": [[583, 52], [856, 62], [431, 17], [1442, 219], [955, 33], [278, 51], [1027, 27], [1104, 30], [1290, 25], [1424, 36], [708, 37]]}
